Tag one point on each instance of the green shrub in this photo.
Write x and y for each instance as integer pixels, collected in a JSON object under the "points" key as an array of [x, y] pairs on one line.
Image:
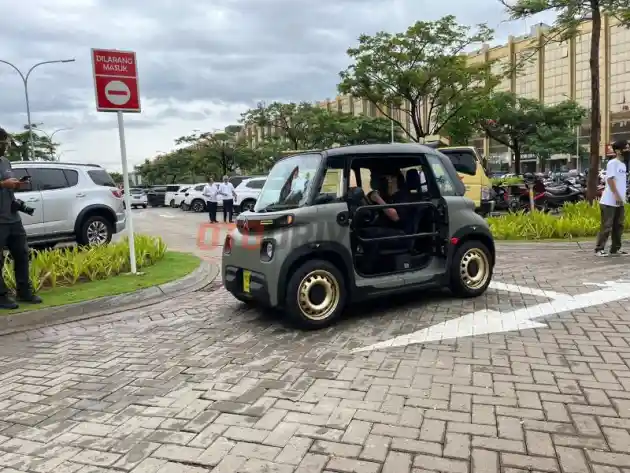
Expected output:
{"points": [[576, 220], [68, 266], [509, 181]]}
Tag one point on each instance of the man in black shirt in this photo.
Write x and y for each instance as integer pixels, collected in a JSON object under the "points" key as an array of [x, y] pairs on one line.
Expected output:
{"points": [[12, 233]]}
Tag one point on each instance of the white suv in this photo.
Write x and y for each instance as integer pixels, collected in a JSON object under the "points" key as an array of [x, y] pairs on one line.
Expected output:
{"points": [[247, 193], [194, 199], [70, 202]]}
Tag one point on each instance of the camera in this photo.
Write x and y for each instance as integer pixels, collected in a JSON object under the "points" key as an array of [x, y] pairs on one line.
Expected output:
{"points": [[19, 206]]}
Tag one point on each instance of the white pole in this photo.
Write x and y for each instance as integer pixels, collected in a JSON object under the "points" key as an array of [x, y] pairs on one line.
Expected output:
{"points": [[127, 196], [392, 129]]}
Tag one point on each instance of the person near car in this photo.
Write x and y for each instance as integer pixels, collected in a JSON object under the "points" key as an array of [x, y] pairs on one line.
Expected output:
{"points": [[211, 192], [12, 233], [228, 195], [612, 202]]}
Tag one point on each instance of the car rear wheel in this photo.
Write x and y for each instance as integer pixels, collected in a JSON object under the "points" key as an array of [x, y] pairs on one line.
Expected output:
{"points": [[471, 269], [172, 203], [144, 206], [316, 295], [198, 205], [96, 230]]}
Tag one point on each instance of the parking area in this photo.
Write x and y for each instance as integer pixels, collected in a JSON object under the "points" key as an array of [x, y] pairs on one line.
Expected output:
{"points": [[533, 376]]}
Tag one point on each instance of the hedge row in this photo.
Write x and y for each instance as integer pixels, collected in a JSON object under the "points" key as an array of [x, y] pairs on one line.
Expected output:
{"points": [[69, 266], [575, 221]]}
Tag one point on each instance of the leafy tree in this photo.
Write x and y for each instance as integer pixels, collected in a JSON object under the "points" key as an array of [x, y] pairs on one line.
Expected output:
{"points": [[43, 148], [289, 120], [117, 177], [422, 67], [549, 141], [570, 13], [517, 122]]}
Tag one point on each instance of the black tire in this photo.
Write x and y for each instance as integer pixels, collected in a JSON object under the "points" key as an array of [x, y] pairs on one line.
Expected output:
{"points": [[144, 206], [198, 205], [247, 205], [460, 269], [94, 224], [172, 203], [293, 309]]}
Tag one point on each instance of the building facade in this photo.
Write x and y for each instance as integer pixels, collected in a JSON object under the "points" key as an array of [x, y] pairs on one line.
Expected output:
{"points": [[549, 71]]}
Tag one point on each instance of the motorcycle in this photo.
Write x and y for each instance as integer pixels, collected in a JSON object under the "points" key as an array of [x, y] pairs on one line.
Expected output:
{"points": [[546, 198]]}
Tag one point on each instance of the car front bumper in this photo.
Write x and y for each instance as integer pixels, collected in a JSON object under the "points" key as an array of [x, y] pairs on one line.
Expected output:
{"points": [[233, 281]]}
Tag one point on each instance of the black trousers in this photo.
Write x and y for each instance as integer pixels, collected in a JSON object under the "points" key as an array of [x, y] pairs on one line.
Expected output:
{"points": [[612, 222], [228, 210], [13, 238], [212, 210]]}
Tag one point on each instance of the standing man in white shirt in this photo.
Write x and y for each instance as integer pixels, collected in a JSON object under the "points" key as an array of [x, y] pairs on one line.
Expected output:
{"points": [[612, 202], [210, 192], [227, 193]]}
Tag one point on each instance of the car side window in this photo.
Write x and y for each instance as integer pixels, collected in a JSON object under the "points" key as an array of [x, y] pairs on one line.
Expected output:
{"points": [[200, 187], [19, 173], [72, 177], [442, 179], [46, 179], [257, 184]]}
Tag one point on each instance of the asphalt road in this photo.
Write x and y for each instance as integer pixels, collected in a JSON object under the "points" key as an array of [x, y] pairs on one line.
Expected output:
{"points": [[532, 376]]}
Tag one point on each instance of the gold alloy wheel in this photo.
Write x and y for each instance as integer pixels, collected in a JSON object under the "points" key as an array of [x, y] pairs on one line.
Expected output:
{"points": [[318, 310], [474, 268]]}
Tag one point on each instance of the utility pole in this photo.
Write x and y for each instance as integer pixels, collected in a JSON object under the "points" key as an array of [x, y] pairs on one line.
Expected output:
{"points": [[24, 78]]}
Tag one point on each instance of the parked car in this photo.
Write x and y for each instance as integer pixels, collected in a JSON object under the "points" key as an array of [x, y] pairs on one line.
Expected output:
{"points": [[171, 190], [138, 198], [69, 202], [156, 196], [194, 199], [179, 196], [247, 193], [309, 247]]}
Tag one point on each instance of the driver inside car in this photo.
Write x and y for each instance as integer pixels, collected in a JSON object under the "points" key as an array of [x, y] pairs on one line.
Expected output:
{"points": [[378, 194]]}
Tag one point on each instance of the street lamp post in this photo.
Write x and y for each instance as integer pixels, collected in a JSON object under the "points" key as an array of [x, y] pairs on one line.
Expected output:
{"points": [[24, 78]]}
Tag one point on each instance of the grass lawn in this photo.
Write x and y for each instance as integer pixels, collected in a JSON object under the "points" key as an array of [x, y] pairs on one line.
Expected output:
{"points": [[173, 266]]}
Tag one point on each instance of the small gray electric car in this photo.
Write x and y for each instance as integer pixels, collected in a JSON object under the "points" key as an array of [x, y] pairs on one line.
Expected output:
{"points": [[347, 224]]}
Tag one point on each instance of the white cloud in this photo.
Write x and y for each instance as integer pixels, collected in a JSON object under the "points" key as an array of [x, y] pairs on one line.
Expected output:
{"points": [[200, 64]]}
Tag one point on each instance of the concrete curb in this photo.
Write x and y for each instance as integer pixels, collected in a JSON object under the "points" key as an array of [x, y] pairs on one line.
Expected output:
{"points": [[201, 277], [536, 244]]}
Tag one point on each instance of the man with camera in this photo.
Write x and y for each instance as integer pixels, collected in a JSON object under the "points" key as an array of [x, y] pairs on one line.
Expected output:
{"points": [[12, 233]]}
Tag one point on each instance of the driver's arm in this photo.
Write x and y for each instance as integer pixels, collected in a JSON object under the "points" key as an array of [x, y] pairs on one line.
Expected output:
{"points": [[378, 200]]}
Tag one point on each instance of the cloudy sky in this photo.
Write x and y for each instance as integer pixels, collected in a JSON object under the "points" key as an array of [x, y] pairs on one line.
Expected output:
{"points": [[201, 64]]}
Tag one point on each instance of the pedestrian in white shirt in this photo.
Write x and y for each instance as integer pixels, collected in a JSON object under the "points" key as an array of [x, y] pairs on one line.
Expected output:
{"points": [[210, 192], [228, 195], [612, 202]]}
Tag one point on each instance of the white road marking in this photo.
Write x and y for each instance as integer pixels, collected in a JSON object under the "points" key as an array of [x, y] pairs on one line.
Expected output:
{"points": [[489, 321], [166, 216], [500, 286]]}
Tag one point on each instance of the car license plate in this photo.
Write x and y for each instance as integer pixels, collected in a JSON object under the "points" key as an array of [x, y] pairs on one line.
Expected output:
{"points": [[137, 197], [247, 277]]}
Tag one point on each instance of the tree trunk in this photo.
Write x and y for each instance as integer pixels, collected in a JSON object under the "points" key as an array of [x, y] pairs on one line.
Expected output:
{"points": [[596, 117], [517, 160]]}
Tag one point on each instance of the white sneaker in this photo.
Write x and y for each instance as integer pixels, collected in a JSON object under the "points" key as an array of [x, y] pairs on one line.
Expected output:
{"points": [[602, 253]]}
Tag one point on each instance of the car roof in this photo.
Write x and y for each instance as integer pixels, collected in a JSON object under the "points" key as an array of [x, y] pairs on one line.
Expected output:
{"points": [[376, 149], [54, 164]]}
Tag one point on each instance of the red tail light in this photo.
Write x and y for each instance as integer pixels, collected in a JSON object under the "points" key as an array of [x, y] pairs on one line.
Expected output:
{"points": [[227, 246], [117, 193]]}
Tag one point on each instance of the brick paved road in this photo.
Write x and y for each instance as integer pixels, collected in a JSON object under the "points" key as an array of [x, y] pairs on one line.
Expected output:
{"points": [[202, 384]]}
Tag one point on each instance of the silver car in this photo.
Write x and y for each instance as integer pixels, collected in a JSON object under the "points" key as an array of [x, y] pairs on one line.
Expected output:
{"points": [[69, 202]]}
